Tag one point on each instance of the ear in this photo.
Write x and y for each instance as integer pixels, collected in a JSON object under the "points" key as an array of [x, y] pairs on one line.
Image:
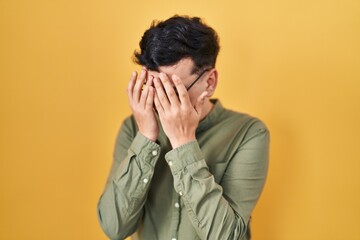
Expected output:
{"points": [[211, 82]]}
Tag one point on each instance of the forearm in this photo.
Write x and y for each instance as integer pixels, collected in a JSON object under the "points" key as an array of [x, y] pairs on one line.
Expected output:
{"points": [[121, 203], [209, 212], [219, 211]]}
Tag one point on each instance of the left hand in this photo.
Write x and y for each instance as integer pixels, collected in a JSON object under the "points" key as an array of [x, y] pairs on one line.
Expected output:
{"points": [[178, 117]]}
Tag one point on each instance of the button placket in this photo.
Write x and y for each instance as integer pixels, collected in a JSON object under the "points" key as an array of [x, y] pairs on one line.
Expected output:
{"points": [[175, 218], [154, 152]]}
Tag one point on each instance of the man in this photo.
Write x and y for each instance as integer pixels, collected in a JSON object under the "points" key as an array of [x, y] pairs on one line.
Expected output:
{"points": [[184, 166]]}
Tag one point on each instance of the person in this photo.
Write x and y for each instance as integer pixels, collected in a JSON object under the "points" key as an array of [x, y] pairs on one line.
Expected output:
{"points": [[184, 166]]}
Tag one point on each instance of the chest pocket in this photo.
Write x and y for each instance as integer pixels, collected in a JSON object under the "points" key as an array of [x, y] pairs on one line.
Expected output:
{"points": [[218, 169]]}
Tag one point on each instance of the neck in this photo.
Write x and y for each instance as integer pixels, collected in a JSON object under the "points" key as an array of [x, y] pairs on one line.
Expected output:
{"points": [[207, 107]]}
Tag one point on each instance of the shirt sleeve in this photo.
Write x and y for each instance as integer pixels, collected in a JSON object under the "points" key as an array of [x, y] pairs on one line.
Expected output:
{"points": [[120, 206], [222, 211]]}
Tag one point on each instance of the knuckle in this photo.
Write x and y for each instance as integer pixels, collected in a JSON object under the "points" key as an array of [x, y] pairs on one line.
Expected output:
{"points": [[171, 94], [149, 104], [162, 98], [183, 94], [176, 112], [136, 87]]}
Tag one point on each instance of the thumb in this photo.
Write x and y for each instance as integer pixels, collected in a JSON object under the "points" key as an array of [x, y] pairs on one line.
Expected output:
{"points": [[200, 102]]}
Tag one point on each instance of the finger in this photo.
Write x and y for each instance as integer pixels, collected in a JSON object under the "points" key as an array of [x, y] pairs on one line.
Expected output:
{"points": [[158, 105], [145, 93], [138, 85], [131, 84], [147, 73], [161, 95], [169, 89], [150, 98], [183, 94], [200, 102], [150, 81]]}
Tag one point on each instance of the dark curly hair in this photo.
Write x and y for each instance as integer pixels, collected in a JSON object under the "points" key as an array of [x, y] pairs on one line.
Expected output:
{"points": [[167, 42]]}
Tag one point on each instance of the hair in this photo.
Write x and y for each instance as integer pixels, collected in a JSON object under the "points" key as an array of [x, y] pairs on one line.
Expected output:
{"points": [[167, 42]]}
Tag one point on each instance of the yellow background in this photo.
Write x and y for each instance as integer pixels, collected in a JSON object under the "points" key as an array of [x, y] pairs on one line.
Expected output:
{"points": [[64, 66]]}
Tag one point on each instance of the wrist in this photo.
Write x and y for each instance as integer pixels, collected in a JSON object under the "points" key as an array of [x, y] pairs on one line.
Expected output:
{"points": [[175, 143], [150, 136]]}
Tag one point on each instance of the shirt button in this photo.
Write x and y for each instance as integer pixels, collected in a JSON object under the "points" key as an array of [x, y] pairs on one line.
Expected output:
{"points": [[170, 163], [154, 153], [145, 180], [180, 193], [177, 205]]}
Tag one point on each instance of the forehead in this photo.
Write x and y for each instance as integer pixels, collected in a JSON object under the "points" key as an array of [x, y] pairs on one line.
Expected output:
{"points": [[183, 68]]}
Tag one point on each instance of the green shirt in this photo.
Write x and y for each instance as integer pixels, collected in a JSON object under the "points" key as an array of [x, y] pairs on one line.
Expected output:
{"points": [[204, 189]]}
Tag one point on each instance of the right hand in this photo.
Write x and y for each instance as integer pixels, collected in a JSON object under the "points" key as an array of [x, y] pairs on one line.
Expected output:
{"points": [[141, 99]]}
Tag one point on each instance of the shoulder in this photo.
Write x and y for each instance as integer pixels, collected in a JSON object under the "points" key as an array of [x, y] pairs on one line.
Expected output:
{"points": [[242, 127], [128, 127], [245, 122]]}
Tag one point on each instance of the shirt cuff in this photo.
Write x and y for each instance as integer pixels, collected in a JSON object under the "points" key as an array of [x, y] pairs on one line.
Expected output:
{"points": [[145, 149], [183, 156]]}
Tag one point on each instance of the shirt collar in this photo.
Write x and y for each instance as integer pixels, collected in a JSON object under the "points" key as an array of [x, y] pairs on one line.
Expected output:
{"points": [[212, 116]]}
